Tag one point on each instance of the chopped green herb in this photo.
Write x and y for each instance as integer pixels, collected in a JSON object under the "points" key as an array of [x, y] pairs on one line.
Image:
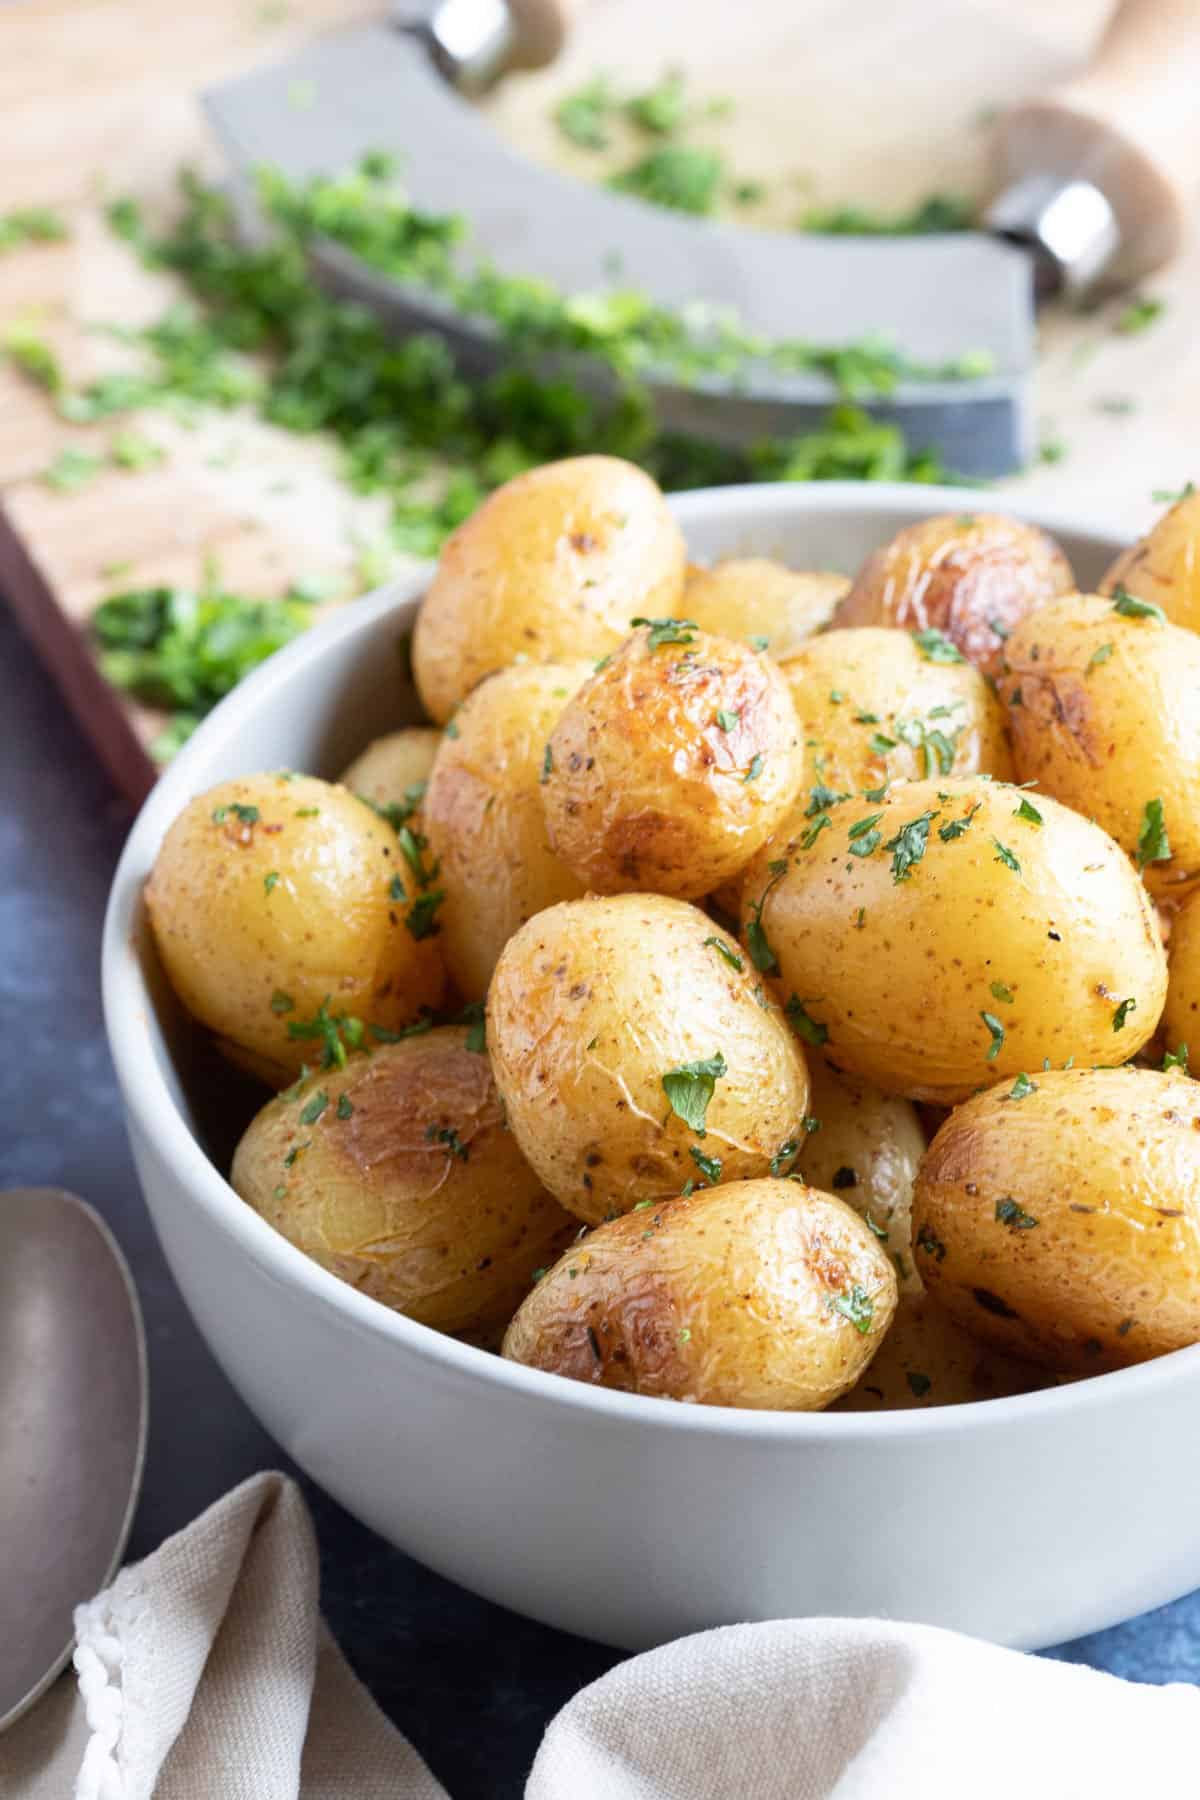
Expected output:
{"points": [[879, 744], [668, 631], [1172, 496], [804, 1025], [71, 469], [996, 1028], [957, 827], [281, 1002], [33, 356], [1141, 312], [755, 769], [129, 450], [1153, 845], [761, 953], [1130, 607], [1022, 1087], [585, 116], [547, 765], [937, 212], [908, 846], [709, 1166], [1001, 992], [931, 1244], [315, 1107], [821, 823], [1175, 1059], [1004, 855], [335, 1032], [31, 225], [1027, 811], [270, 881], [1009, 1213], [758, 642], [1100, 655], [690, 1087], [936, 647], [345, 1106], [857, 1306], [1122, 1013], [678, 176], [724, 950], [786, 1155], [727, 720], [447, 1136]]}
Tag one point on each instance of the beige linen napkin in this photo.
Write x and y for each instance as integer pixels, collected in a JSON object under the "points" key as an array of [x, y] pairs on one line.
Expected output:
{"points": [[206, 1671]]}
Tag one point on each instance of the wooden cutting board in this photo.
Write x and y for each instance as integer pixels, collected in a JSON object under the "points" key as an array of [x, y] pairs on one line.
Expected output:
{"points": [[98, 100]]}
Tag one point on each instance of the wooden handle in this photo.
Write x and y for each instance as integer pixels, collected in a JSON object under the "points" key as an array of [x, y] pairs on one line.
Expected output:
{"points": [[1130, 124], [539, 31]]}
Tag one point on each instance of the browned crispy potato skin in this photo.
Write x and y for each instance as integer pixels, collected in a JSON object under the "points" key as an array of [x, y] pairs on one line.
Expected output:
{"points": [[591, 1004], [887, 686], [407, 1186], [293, 905], [927, 1359], [645, 792], [552, 566], [482, 814], [1181, 1015], [1105, 715], [899, 972], [1107, 1162], [729, 1297], [754, 597], [865, 1150], [1164, 566], [959, 572], [391, 768]]}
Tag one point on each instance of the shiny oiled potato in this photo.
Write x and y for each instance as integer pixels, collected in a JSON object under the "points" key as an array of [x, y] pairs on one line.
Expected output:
{"points": [[397, 1174], [1104, 710], [672, 764], [1064, 1226], [754, 598], [635, 1050], [954, 933], [927, 1359], [552, 566], [963, 574], [392, 772], [876, 705], [482, 814], [865, 1149], [276, 894], [755, 1293], [1164, 566], [1181, 1015]]}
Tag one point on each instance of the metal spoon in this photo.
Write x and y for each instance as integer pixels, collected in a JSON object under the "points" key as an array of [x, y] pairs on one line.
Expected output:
{"points": [[73, 1409]]}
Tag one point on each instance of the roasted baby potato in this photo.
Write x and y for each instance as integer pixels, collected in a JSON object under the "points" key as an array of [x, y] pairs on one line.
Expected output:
{"points": [[482, 814], [755, 1293], [953, 933], [927, 1359], [963, 574], [1064, 1226], [1104, 709], [397, 1174], [276, 896], [392, 772], [758, 600], [635, 1050], [1164, 566], [552, 566], [876, 705], [865, 1149], [672, 764], [1181, 1015]]}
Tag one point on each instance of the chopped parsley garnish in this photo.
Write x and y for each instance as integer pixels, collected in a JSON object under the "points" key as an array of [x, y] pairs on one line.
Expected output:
{"points": [[1001, 991], [787, 1152], [727, 720], [1100, 655], [908, 846], [281, 1002], [1130, 607], [316, 1106], [936, 647], [333, 1031], [709, 1166], [1175, 1059], [668, 631], [382, 1035], [677, 176], [270, 880], [1004, 855], [547, 765], [397, 890], [857, 1306], [821, 823], [1009, 1213], [1153, 844], [880, 744], [345, 1106], [1022, 1087], [1027, 811], [804, 1025], [584, 117], [755, 769], [31, 225], [421, 917], [1122, 1013], [1172, 496], [1141, 312], [757, 642], [449, 1138], [931, 1244], [761, 953], [957, 827], [723, 949], [690, 1087], [820, 799], [474, 1017], [996, 1028]]}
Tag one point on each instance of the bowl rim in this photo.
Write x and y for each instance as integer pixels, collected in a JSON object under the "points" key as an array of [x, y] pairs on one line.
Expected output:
{"points": [[153, 1111]]}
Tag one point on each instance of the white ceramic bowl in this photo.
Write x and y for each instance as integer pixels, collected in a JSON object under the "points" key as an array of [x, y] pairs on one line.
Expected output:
{"points": [[1024, 1520]]}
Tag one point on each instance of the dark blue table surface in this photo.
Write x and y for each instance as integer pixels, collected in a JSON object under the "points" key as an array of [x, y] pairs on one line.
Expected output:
{"points": [[473, 1686]]}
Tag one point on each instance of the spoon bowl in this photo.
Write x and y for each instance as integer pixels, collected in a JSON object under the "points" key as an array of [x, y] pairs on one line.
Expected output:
{"points": [[73, 1411]]}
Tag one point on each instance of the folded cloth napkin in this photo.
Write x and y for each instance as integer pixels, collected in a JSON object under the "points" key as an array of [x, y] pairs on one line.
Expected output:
{"points": [[205, 1671]]}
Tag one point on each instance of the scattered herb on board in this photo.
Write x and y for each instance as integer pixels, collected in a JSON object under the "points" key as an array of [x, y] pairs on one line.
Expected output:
{"points": [[33, 356], [1140, 313], [936, 212], [72, 469], [680, 177], [690, 1087], [585, 116], [31, 225]]}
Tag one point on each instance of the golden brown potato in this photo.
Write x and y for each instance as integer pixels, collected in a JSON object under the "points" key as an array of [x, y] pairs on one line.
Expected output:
{"points": [[756, 1293], [927, 1359], [963, 574], [1181, 1015], [392, 773], [635, 1051], [1064, 1227], [397, 1174], [954, 933], [552, 566], [672, 764], [865, 1149], [1104, 710], [754, 598], [278, 895], [483, 817], [1164, 566]]}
